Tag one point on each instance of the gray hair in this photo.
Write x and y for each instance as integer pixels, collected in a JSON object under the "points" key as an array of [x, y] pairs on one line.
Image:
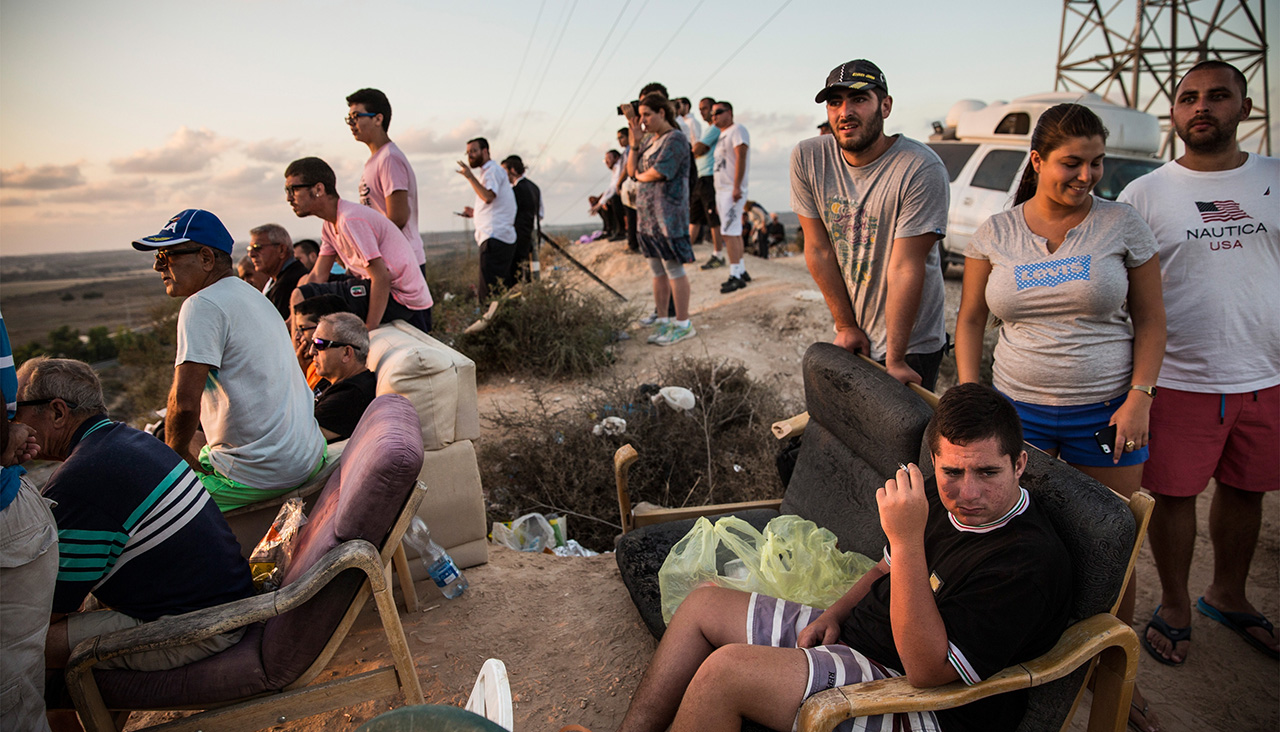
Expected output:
{"points": [[275, 233], [349, 328], [71, 381]]}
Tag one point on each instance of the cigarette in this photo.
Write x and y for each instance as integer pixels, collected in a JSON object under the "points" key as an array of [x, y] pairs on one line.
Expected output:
{"points": [[903, 467]]}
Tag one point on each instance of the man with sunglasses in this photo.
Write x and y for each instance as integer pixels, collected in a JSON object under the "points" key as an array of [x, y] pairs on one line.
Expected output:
{"points": [[271, 250], [386, 281], [387, 184], [341, 345], [232, 350]]}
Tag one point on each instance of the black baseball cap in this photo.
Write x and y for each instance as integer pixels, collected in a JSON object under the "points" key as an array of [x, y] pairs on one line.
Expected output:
{"points": [[857, 74]]}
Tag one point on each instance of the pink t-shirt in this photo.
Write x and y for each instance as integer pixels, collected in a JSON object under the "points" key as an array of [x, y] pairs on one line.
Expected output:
{"points": [[386, 172], [361, 235]]}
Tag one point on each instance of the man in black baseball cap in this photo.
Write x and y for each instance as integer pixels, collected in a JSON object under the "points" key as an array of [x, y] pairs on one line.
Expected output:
{"points": [[872, 207]]}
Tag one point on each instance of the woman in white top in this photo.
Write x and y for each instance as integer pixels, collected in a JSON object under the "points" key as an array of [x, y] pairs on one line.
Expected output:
{"points": [[1075, 283]]}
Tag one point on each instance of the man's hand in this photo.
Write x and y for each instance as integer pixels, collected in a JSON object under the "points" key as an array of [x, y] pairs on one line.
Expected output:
{"points": [[468, 212], [904, 510], [823, 631], [737, 192], [854, 340], [902, 372], [465, 171], [22, 445]]}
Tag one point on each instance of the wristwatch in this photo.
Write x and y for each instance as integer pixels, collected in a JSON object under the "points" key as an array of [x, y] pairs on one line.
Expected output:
{"points": [[1148, 390]]}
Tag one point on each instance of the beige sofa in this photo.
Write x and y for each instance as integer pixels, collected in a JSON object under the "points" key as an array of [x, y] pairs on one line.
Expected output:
{"points": [[441, 384]]}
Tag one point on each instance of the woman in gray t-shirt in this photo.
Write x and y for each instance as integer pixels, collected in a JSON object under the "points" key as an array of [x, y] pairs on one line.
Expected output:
{"points": [[1075, 283]]}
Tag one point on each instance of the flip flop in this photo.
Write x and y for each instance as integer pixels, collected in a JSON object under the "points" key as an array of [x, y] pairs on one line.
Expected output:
{"points": [[1175, 636], [1240, 623], [1142, 711]]}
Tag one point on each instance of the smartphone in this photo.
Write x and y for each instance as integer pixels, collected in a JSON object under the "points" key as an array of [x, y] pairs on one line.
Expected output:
{"points": [[1106, 438]]}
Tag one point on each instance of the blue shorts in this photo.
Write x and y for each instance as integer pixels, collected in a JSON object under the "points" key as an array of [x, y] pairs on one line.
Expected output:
{"points": [[1069, 431]]}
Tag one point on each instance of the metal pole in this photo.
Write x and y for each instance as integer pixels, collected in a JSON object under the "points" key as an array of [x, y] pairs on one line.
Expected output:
{"points": [[581, 266]]}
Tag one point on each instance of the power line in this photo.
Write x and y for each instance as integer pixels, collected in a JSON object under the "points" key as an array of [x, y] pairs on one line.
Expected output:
{"points": [[670, 40], [550, 60], [520, 71], [738, 50]]}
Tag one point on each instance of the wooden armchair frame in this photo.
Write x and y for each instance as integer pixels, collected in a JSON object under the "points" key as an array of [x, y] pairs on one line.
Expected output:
{"points": [[297, 699], [1103, 641]]}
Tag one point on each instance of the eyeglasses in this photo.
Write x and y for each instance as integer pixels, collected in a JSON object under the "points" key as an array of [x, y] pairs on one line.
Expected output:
{"points": [[718, 111], [324, 344], [289, 190], [164, 256], [351, 118], [301, 331], [48, 400]]}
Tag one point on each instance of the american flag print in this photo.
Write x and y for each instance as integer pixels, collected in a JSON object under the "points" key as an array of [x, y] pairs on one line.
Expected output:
{"points": [[1211, 211]]}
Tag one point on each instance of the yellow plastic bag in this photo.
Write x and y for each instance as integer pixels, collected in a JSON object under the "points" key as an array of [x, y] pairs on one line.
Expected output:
{"points": [[793, 559]]}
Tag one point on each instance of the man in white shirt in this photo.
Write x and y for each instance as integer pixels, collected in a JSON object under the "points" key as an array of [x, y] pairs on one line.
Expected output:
{"points": [[494, 213], [732, 163], [608, 205], [1215, 216]]}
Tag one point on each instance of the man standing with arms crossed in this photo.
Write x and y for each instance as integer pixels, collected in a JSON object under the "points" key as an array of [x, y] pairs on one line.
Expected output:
{"points": [[387, 184], [871, 208], [494, 213], [1215, 212], [732, 161]]}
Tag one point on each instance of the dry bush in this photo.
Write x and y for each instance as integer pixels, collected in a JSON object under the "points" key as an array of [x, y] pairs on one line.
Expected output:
{"points": [[549, 461], [551, 330]]}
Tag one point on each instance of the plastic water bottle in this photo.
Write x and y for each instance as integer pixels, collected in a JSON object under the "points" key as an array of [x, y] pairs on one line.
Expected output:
{"points": [[440, 566]]}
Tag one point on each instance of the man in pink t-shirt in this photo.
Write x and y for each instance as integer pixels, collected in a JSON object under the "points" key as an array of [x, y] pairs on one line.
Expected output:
{"points": [[387, 184], [387, 283]]}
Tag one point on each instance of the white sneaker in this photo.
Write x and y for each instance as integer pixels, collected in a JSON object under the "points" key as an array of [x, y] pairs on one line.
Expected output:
{"points": [[649, 319], [659, 331]]}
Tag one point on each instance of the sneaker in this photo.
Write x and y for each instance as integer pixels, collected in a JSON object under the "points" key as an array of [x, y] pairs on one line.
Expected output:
{"points": [[733, 284], [649, 319], [713, 263], [746, 276], [675, 334], [659, 332]]}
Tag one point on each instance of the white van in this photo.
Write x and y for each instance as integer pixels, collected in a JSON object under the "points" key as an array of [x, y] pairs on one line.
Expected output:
{"points": [[986, 147]]}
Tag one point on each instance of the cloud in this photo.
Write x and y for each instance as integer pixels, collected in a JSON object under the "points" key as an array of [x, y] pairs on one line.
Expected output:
{"points": [[799, 126], [426, 142], [187, 151], [42, 177], [137, 191], [273, 150], [244, 175], [12, 201]]}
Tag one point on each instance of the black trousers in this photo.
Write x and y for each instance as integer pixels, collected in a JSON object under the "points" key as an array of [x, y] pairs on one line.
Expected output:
{"points": [[496, 258]]}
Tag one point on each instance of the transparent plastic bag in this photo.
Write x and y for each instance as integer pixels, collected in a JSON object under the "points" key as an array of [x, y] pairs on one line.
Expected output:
{"points": [[532, 532], [792, 558], [271, 557]]}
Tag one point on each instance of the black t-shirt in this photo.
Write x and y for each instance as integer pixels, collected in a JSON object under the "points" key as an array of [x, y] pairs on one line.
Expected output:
{"points": [[339, 408], [527, 198], [1004, 595], [285, 283]]}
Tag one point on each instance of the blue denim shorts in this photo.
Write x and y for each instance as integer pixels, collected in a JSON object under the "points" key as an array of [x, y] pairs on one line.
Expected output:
{"points": [[1069, 430]]}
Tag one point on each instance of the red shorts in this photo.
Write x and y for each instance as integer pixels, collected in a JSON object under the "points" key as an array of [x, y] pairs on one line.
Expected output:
{"points": [[1233, 438]]}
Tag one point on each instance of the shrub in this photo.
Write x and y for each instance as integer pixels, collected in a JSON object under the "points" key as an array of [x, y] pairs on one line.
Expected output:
{"points": [[548, 460]]}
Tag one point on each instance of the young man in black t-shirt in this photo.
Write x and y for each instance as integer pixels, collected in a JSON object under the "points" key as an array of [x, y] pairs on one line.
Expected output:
{"points": [[973, 579]]}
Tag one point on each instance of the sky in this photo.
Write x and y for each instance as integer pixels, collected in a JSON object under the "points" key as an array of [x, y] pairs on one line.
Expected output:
{"points": [[118, 115]]}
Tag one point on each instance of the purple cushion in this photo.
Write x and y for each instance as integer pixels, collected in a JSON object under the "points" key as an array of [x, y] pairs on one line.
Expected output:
{"points": [[361, 501], [234, 673]]}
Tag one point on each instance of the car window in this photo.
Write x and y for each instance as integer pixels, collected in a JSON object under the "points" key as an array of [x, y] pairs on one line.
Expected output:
{"points": [[997, 169], [954, 156], [1120, 172]]}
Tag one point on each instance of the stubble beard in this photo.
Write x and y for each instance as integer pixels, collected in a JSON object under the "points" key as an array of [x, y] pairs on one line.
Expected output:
{"points": [[1217, 140]]}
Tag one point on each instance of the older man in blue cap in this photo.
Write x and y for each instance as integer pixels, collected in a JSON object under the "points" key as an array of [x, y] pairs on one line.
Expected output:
{"points": [[235, 376]]}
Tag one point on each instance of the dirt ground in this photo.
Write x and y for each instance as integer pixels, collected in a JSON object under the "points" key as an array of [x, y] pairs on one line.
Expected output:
{"points": [[572, 642]]}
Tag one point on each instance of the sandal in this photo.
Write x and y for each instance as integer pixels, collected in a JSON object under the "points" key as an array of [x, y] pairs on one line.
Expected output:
{"points": [[1175, 636], [1141, 711], [1240, 623]]}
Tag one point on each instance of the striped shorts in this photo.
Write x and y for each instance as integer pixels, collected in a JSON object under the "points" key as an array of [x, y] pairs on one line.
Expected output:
{"points": [[777, 623]]}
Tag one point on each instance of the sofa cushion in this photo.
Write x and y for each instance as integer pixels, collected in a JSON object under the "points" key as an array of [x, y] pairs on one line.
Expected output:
{"points": [[439, 381], [361, 501]]}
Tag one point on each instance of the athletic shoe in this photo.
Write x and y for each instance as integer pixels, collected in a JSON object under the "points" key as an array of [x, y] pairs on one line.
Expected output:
{"points": [[659, 331], [649, 319], [732, 284], [713, 263], [746, 276], [675, 334]]}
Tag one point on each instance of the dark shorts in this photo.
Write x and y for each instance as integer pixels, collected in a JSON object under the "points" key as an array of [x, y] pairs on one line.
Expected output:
{"points": [[706, 195], [355, 293], [925, 364], [668, 250]]}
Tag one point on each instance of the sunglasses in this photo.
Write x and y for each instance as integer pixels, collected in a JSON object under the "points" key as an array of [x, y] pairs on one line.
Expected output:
{"points": [[323, 344], [351, 118], [718, 111], [260, 247], [49, 400], [163, 257]]}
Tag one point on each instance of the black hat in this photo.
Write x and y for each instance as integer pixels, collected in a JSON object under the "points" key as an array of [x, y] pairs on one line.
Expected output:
{"points": [[858, 74]]}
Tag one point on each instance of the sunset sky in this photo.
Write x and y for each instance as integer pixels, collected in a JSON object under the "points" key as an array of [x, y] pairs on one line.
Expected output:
{"points": [[117, 115]]}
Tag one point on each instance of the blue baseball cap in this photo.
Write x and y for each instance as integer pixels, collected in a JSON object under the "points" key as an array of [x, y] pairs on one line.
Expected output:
{"points": [[195, 225]]}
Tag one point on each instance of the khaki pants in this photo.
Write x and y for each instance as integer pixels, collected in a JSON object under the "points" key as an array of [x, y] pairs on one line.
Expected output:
{"points": [[82, 626], [28, 570]]}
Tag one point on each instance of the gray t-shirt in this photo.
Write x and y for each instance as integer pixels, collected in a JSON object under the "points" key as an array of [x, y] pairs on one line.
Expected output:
{"points": [[903, 193], [1065, 334], [256, 409]]}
